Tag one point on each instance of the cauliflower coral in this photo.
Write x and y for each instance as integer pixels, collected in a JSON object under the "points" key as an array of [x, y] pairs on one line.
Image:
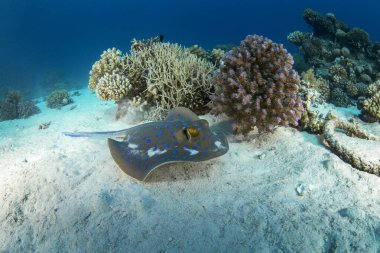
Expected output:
{"points": [[257, 87]]}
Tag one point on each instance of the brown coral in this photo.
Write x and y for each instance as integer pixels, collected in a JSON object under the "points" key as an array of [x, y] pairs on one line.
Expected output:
{"points": [[257, 86]]}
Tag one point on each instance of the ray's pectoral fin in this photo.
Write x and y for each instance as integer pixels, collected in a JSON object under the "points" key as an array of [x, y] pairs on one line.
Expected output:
{"points": [[131, 161]]}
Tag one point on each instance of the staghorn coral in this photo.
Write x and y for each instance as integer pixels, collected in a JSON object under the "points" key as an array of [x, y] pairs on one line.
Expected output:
{"points": [[154, 74], [371, 105], [257, 87], [58, 98], [344, 153], [172, 76]]}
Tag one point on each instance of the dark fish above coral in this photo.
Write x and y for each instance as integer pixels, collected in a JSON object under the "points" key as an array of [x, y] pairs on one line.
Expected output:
{"points": [[181, 137]]}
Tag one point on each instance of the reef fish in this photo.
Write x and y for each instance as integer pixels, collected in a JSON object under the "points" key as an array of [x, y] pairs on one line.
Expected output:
{"points": [[181, 137]]}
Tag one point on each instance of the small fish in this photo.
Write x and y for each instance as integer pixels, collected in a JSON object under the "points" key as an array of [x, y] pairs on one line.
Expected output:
{"points": [[181, 137]]}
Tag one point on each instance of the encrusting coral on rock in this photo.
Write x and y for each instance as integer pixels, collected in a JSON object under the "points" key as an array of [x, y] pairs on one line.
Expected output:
{"points": [[257, 87]]}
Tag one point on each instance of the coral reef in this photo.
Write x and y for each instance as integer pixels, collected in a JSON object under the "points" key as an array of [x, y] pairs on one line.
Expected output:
{"points": [[370, 107], [344, 56], [137, 45], [58, 98], [343, 152], [297, 37], [312, 93], [155, 74], [171, 76], [214, 56], [322, 25], [321, 85], [14, 108], [257, 87]]}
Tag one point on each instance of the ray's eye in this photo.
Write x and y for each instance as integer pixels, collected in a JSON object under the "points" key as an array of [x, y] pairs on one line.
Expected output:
{"points": [[191, 132]]}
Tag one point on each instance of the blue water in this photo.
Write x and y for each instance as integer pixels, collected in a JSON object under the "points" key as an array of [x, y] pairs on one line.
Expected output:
{"points": [[38, 36]]}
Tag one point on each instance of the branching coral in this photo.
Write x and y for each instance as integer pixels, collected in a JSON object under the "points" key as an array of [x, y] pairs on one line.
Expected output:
{"points": [[173, 77], [161, 75], [343, 152], [257, 87]]}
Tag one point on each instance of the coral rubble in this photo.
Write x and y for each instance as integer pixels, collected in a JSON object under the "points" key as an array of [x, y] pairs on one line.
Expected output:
{"points": [[257, 87]]}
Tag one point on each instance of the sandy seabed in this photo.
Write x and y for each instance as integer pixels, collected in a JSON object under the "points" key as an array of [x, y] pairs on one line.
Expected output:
{"points": [[280, 192]]}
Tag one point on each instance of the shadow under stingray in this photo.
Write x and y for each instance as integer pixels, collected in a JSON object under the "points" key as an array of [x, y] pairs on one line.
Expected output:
{"points": [[181, 171]]}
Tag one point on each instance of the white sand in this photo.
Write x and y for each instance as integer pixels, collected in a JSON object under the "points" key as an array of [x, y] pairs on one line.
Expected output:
{"points": [[61, 194]]}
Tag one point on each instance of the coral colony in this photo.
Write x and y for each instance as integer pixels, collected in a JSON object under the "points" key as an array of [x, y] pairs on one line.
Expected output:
{"points": [[344, 60], [257, 87]]}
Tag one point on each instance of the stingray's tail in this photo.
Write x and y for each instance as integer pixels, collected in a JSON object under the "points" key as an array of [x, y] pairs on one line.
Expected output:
{"points": [[98, 135]]}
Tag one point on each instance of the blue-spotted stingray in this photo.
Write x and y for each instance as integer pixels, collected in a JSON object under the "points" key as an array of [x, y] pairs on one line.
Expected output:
{"points": [[181, 137]]}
